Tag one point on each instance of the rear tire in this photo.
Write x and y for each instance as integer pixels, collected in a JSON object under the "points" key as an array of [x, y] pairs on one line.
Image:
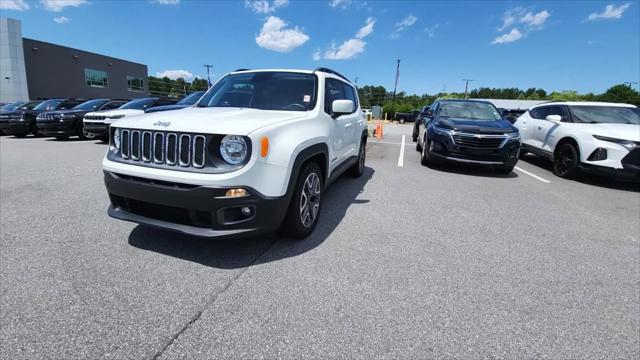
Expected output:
{"points": [[304, 210], [358, 168], [418, 147], [566, 160]]}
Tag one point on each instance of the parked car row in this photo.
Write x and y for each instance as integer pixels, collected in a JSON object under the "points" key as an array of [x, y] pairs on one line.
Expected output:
{"points": [[576, 136], [87, 119]]}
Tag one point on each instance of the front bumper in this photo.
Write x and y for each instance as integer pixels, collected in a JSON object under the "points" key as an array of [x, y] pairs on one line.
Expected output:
{"points": [[445, 149], [96, 128], [630, 167], [57, 128], [190, 209], [15, 127]]}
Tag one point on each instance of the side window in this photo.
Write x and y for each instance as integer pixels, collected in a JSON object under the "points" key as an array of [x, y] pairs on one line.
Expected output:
{"points": [[65, 105], [543, 112], [350, 95], [113, 105], [333, 90]]}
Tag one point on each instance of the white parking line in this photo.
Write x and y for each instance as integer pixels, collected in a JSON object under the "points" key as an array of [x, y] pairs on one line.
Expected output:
{"points": [[532, 175], [401, 157], [385, 142]]}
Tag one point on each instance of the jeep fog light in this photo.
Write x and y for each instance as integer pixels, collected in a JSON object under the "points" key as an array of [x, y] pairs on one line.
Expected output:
{"points": [[236, 193]]}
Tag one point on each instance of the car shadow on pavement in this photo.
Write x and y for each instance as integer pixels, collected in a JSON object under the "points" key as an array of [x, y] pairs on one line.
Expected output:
{"points": [[586, 178], [472, 170], [238, 253]]}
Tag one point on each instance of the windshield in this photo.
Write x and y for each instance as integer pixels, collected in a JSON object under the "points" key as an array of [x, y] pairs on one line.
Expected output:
{"points": [[11, 107], [263, 90], [90, 105], [469, 110], [605, 115], [191, 98], [139, 104], [48, 105]]}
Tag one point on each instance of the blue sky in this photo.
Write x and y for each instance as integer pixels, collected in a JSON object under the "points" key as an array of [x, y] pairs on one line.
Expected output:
{"points": [[585, 46]]}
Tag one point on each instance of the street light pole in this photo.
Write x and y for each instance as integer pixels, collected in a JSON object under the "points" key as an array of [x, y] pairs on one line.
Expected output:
{"points": [[395, 87], [208, 76], [466, 88]]}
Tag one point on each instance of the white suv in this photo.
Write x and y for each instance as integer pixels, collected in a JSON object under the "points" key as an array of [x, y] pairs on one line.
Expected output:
{"points": [[256, 152], [591, 136]]}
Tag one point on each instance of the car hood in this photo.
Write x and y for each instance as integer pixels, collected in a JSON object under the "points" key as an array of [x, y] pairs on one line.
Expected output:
{"points": [[66, 112], [477, 126], [236, 121], [166, 107], [618, 131], [125, 112]]}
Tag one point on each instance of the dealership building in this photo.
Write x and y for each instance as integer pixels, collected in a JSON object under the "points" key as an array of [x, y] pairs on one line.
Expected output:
{"points": [[33, 69]]}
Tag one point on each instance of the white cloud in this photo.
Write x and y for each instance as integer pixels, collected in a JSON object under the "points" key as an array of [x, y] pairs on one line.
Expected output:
{"points": [[431, 30], [403, 25], [340, 3], [523, 16], [610, 12], [275, 36], [175, 74], [316, 55], [58, 5], [366, 29], [512, 36], [19, 5], [263, 6], [166, 2], [535, 20], [351, 47], [61, 20], [348, 50]]}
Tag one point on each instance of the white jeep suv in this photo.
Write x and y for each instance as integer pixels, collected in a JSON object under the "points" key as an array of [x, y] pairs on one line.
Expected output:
{"points": [[253, 155], [591, 136]]}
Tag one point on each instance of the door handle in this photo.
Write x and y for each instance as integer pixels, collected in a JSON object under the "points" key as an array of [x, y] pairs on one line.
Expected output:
{"points": [[539, 127], [348, 125]]}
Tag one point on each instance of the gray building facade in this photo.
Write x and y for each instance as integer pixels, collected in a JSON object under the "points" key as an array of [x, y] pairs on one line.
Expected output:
{"points": [[55, 71]]}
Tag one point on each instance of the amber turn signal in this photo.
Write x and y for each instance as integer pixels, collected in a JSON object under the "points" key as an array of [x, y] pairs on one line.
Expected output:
{"points": [[264, 146], [236, 193]]}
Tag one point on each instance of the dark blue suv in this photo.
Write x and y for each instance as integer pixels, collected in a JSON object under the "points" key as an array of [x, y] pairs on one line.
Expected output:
{"points": [[468, 131]]}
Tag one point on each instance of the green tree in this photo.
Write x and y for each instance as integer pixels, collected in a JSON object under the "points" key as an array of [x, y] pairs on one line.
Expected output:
{"points": [[621, 94]]}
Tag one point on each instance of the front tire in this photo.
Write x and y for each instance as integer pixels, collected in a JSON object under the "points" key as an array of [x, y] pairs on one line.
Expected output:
{"points": [[566, 161], [304, 210], [424, 155], [358, 168]]}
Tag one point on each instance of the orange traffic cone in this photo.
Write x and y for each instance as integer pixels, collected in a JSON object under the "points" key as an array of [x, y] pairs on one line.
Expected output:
{"points": [[378, 130]]}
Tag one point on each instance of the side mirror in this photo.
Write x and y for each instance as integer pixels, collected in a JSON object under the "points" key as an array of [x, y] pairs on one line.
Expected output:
{"points": [[428, 113], [341, 107], [554, 118]]}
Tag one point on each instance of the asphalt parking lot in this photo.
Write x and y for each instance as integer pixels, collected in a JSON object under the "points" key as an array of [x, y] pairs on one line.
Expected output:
{"points": [[406, 262]]}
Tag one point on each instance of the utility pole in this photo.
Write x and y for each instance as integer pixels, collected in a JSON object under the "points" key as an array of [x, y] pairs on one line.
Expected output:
{"points": [[208, 76], [395, 87], [629, 83], [466, 87]]}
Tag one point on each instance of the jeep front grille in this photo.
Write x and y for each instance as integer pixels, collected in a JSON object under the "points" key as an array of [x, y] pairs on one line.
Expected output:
{"points": [[163, 148]]}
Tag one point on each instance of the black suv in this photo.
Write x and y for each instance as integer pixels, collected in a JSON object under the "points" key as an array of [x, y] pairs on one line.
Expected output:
{"points": [[23, 121], [68, 122], [468, 131]]}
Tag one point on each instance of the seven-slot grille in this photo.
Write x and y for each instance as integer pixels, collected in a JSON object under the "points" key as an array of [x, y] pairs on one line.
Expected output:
{"points": [[479, 141], [95, 117], [49, 117], [163, 148]]}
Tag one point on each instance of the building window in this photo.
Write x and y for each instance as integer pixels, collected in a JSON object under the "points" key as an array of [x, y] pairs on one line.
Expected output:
{"points": [[135, 84], [96, 78]]}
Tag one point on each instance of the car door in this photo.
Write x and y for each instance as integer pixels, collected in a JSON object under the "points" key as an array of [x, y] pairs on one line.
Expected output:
{"points": [[425, 122], [356, 122], [339, 135], [544, 131]]}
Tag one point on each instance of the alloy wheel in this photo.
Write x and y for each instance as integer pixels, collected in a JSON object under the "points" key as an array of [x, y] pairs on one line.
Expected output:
{"points": [[310, 200]]}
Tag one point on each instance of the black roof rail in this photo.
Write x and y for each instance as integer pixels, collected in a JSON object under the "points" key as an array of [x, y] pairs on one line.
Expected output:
{"points": [[327, 70], [241, 70]]}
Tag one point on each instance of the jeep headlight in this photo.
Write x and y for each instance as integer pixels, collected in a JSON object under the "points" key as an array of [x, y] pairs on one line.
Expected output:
{"points": [[233, 149], [116, 139]]}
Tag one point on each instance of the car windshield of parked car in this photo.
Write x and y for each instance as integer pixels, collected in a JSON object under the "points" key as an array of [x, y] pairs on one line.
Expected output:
{"points": [[191, 98], [605, 114], [11, 107], [469, 110], [30, 105], [139, 104], [48, 105], [267, 90], [90, 105]]}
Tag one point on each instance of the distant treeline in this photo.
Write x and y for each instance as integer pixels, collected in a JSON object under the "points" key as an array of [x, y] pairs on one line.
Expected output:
{"points": [[378, 95], [174, 88]]}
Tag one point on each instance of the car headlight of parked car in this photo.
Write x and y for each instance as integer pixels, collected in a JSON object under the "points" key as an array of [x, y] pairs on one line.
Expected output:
{"points": [[628, 144], [442, 131], [514, 135], [115, 117], [233, 149], [116, 139]]}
